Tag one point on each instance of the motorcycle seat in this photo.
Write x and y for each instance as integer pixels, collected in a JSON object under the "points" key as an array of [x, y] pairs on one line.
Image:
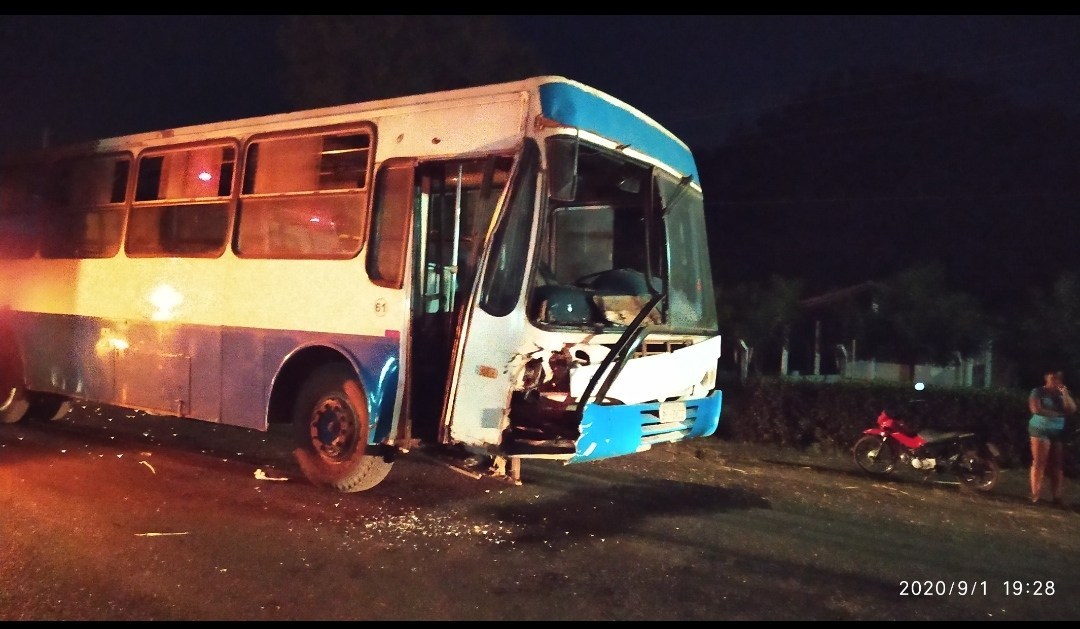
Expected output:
{"points": [[935, 436]]}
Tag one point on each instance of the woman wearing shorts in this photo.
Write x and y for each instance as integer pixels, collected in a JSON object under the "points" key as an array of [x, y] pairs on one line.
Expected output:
{"points": [[1049, 404]]}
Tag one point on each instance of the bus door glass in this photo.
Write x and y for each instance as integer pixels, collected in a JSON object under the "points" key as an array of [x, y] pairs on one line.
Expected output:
{"points": [[455, 202], [494, 325]]}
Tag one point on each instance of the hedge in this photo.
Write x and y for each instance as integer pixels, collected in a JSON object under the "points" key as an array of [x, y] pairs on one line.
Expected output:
{"points": [[832, 415]]}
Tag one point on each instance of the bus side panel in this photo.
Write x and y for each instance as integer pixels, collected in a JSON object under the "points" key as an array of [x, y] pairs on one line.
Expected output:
{"points": [[457, 129], [203, 372], [172, 368], [378, 363], [245, 381], [169, 368], [67, 354]]}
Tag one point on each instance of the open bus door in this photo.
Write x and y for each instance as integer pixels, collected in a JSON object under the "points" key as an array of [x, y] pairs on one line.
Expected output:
{"points": [[454, 204], [493, 324]]}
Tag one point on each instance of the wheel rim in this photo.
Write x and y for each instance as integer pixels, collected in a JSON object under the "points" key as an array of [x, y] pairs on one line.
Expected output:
{"points": [[13, 402], [7, 400], [333, 429], [978, 472], [10, 386], [874, 456]]}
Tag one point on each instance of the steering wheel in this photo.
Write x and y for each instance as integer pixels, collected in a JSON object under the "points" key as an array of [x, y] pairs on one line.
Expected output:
{"points": [[585, 281], [545, 272]]}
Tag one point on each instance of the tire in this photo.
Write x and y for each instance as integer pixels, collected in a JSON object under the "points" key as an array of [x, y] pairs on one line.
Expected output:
{"points": [[978, 471], [331, 424], [874, 456], [48, 406], [13, 401], [13, 405]]}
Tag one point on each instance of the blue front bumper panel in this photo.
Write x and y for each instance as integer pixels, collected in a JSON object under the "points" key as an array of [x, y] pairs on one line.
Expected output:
{"points": [[615, 430]]}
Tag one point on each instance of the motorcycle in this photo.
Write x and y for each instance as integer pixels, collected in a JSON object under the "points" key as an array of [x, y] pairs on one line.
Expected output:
{"points": [[962, 454]]}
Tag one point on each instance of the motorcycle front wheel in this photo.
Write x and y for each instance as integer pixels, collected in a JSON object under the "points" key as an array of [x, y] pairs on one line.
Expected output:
{"points": [[874, 455], [978, 471]]}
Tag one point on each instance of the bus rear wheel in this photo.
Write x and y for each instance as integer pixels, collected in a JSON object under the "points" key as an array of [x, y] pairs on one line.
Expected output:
{"points": [[332, 426], [13, 404], [48, 406], [13, 400]]}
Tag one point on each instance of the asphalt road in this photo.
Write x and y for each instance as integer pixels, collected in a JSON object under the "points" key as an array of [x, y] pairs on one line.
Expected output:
{"points": [[108, 514]]}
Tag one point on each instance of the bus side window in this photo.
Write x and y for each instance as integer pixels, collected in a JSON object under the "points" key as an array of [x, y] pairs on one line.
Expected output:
{"points": [[21, 210], [182, 203], [305, 196], [86, 213], [390, 222]]}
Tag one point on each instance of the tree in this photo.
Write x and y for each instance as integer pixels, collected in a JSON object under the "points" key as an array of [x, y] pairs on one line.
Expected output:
{"points": [[1048, 334], [336, 59], [920, 319], [760, 315]]}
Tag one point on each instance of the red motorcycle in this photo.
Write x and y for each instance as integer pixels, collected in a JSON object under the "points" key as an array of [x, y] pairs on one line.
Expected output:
{"points": [[962, 454]]}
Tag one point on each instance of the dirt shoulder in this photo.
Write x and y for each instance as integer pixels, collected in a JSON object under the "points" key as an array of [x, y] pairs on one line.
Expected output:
{"points": [[831, 480]]}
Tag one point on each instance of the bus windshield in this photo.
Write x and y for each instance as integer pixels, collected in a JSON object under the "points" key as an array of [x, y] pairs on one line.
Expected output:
{"points": [[617, 232], [691, 304]]}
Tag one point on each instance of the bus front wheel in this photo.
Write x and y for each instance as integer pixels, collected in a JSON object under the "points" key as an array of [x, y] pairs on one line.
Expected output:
{"points": [[332, 427]]}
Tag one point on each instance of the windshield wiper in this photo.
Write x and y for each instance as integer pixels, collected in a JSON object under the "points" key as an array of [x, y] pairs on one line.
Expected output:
{"points": [[622, 352]]}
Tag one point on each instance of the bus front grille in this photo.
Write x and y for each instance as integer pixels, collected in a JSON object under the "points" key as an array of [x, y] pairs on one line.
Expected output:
{"points": [[655, 431]]}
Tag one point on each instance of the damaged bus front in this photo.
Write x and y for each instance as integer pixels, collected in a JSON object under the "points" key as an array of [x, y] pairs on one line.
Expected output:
{"points": [[615, 328]]}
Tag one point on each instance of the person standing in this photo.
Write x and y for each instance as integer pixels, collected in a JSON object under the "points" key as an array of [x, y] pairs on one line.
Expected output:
{"points": [[1049, 404]]}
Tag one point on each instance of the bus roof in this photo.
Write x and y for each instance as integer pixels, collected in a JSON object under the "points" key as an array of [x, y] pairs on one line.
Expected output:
{"points": [[577, 105], [561, 100]]}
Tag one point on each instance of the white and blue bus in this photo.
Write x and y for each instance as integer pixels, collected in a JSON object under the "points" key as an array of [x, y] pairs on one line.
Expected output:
{"points": [[515, 271]]}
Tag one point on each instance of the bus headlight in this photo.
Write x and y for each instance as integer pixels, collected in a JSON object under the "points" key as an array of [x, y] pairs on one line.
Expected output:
{"points": [[533, 374]]}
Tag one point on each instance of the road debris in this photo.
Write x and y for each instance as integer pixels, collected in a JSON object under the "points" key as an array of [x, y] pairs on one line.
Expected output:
{"points": [[149, 466], [160, 534], [465, 472], [261, 475], [895, 489]]}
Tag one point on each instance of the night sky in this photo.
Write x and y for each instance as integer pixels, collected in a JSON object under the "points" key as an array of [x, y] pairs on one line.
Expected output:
{"points": [[757, 97], [78, 77], [832, 149]]}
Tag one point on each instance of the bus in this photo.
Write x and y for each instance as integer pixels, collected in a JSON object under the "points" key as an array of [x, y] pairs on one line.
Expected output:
{"points": [[512, 271]]}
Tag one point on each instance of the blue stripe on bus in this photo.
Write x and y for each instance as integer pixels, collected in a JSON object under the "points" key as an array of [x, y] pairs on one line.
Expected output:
{"points": [[573, 106], [617, 429], [211, 373]]}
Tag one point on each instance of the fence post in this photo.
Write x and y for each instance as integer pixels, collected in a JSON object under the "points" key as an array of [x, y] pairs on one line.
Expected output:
{"points": [[817, 347], [784, 351], [744, 361]]}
